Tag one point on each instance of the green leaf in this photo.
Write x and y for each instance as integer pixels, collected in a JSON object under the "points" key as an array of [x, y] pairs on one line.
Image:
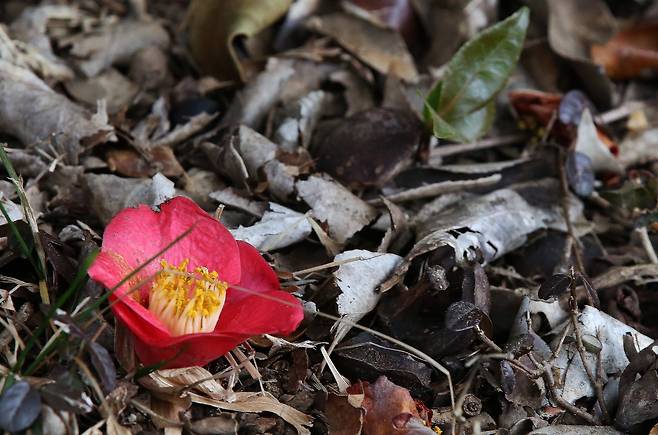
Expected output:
{"points": [[463, 100], [465, 129]]}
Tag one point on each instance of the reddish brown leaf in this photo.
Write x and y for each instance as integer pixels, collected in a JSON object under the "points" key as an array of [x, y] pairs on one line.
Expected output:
{"points": [[390, 409], [631, 53]]}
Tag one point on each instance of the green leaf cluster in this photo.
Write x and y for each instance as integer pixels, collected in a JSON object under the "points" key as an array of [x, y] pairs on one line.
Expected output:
{"points": [[460, 107]]}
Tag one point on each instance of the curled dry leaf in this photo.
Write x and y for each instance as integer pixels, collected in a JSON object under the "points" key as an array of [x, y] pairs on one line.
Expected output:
{"points": [[580, 174], [369, 148], [296, 122], [31, 28], [398, 233], [256, 99], [344, 213], [383, 49], [637, 385], [172, 381], [254, 148], [32, 112], [279, 227], [213, 28]]}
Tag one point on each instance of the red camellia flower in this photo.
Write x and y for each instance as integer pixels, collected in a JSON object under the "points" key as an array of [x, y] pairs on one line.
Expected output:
{"points": [[186, 308]]}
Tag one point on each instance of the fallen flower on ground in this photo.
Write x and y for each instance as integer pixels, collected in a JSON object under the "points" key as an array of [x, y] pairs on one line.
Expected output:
{"points": [[204, 296]]}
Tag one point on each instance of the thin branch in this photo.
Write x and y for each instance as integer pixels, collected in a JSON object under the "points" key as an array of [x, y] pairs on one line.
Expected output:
{"points": [[459, 148]]}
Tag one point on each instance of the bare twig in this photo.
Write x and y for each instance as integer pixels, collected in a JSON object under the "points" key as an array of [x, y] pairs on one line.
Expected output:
{"points": [[559, 400], [594, 379], [567, 218], [459, 148], [24, 312], [436, 189], [647, 245]]}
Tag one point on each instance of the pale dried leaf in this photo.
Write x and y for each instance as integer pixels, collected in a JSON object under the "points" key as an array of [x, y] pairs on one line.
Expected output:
{"points": [[255, 402], [32, 112], [116, 42], [358, 281], [279, 227], [344, 212], [588, 143]]}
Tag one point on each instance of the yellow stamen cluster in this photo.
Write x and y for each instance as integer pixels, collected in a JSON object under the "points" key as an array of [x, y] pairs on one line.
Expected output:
{"points": [[187, 302]]}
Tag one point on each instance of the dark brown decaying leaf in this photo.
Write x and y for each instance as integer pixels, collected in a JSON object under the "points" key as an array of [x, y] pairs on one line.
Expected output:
{"points": [[638, 385], [104, 366], [366, 357], [369, 148], [554, 286]]}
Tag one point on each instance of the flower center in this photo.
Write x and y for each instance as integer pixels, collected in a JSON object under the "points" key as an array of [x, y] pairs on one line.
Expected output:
{"points": [[187, 302]]}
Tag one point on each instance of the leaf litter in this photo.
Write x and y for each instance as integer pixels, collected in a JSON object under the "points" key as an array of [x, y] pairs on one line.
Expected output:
{"points": [[463, 196]]}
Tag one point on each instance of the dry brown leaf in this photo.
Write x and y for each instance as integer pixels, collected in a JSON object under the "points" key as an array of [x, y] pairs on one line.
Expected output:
{"points": [[255, 402], [631, 53], [198, 378], [383, 49], [390, 409], [116, 43], [342, 417], [110, 85], [32, 112]]}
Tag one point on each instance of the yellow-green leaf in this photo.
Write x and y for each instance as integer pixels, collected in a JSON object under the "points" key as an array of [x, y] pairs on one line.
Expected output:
{"points": [[213, 25]]}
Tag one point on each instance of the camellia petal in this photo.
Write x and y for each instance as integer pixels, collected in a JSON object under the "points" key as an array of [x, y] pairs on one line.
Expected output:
{"points": [[254, 304]]}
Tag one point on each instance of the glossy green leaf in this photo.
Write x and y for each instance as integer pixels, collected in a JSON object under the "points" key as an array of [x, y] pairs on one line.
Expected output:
{"points": [[462, 102]]}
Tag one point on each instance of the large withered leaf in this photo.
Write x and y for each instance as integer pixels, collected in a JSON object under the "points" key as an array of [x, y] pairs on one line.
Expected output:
{"points": [[370, 147]]}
